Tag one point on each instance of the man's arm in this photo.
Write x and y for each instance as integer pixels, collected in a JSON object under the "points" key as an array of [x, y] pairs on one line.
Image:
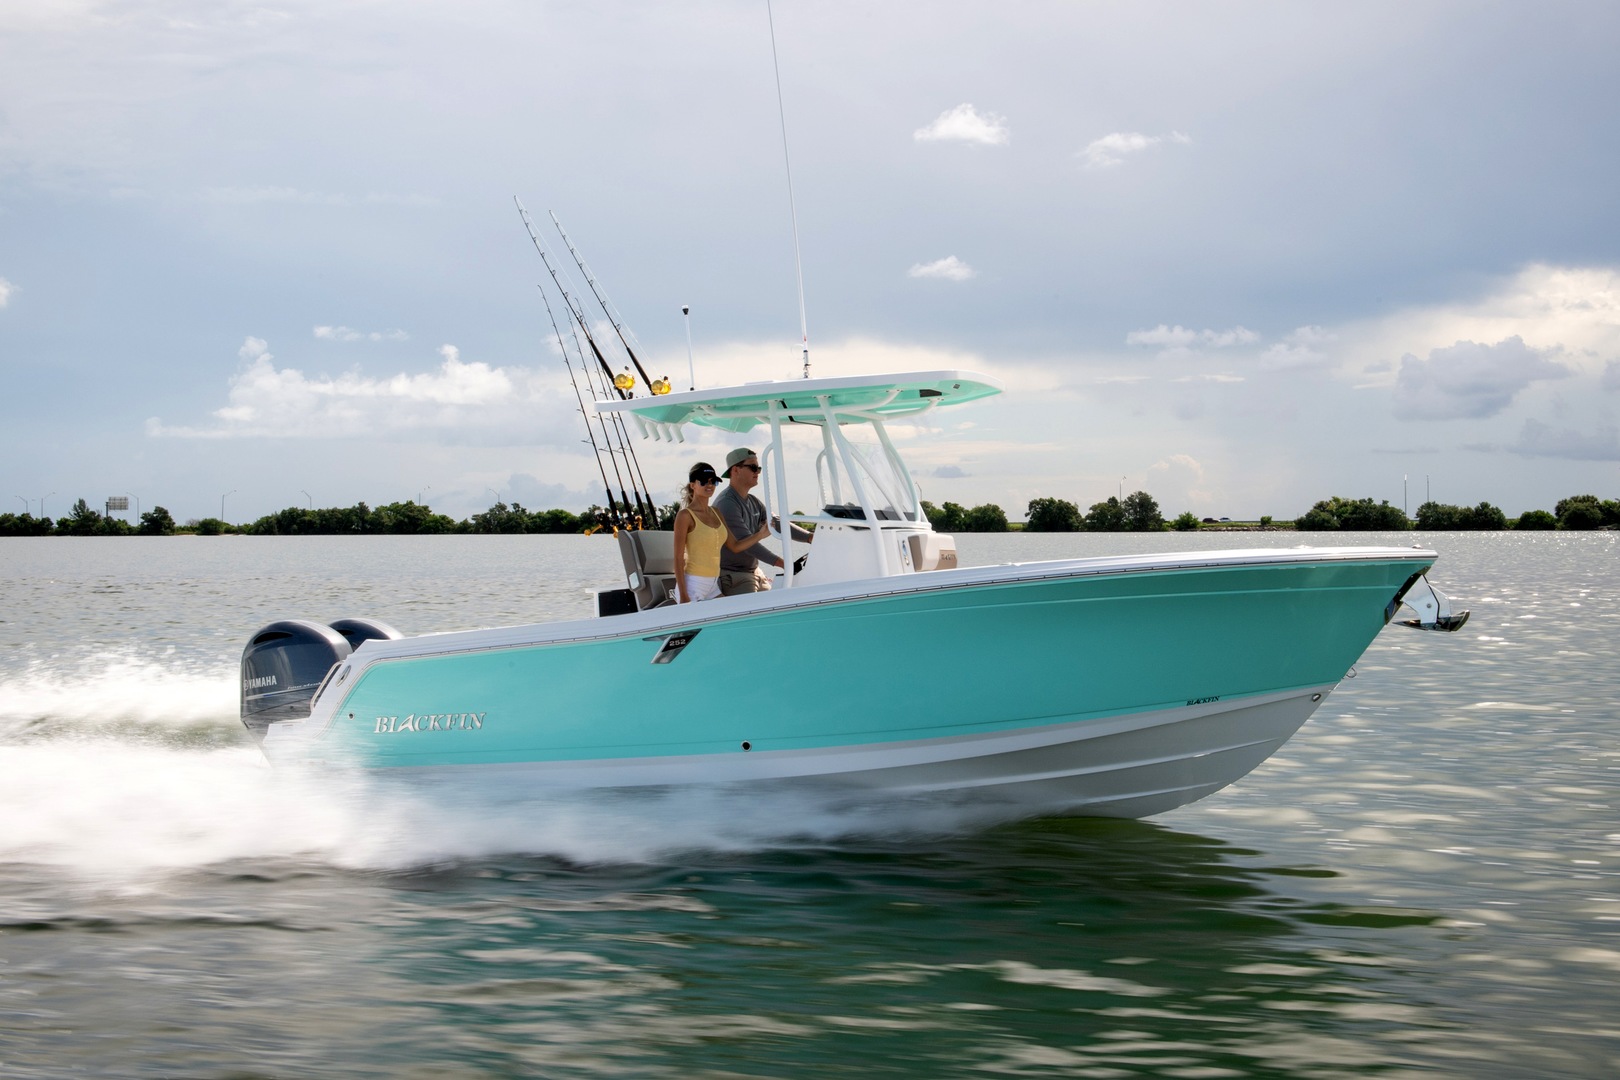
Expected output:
{"points": [[731, 511]]}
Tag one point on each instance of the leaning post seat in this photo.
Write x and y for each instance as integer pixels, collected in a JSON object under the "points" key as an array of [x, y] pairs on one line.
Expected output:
{"points": [[649, 565]]}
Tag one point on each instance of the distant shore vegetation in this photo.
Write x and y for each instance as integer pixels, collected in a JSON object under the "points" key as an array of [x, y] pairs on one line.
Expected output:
{"points": [[1137, 512]]}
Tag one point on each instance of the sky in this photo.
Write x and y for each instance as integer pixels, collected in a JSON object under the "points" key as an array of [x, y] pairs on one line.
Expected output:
{"points": [[1242, 256]]}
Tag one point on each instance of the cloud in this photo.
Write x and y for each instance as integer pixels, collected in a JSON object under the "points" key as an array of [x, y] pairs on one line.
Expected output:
{"points": [[1540, 440], [6, 289], [1112, 150], [1180, 462], [1611, 371], [950, 268], [533, 492], [949, 472], [1469, 380], [1179, 477], [1222, 339], [1299, 349], [928, 453], [343, 333], [1574, 310], [245, 196], [1169, 336], [457, 402], [965, 124], [1179, 337]]}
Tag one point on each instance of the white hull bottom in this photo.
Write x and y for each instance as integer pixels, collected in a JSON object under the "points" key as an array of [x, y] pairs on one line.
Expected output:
{"points": [[1129, 767]]}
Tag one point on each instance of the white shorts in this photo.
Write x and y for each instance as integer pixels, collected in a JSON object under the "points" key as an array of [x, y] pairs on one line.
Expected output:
{"points": [[702, 588]]}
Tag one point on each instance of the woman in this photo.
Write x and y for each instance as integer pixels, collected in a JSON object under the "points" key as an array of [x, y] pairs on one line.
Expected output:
{"points": [[699, 532]]}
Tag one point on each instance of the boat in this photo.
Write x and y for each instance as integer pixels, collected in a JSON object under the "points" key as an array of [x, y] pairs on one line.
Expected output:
{"points": [[1118, 686]]}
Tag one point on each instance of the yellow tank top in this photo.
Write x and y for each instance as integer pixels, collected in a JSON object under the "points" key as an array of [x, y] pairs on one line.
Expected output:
{"points": [[703, 545]]}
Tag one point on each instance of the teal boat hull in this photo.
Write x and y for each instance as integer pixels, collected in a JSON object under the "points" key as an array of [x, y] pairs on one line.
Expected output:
{"points": [[1123, 686]]}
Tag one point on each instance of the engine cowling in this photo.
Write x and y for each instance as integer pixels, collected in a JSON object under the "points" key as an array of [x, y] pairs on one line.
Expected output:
{"points": [[285, 662], [355, 631], [282, 667]]}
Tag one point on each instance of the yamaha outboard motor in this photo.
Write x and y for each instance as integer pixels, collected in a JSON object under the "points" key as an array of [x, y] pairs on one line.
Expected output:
{"points": [[282, 667], [355, 631]]}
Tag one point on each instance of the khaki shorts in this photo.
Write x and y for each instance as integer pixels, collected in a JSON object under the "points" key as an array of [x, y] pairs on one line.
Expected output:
{"points": [[738, 582]]}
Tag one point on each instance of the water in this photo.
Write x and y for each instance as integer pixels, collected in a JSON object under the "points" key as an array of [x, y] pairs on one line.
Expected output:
{"points": [[1423, 882]]}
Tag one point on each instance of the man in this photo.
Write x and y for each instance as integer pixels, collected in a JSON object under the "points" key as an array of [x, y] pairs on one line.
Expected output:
{"points": [[745, 516]]}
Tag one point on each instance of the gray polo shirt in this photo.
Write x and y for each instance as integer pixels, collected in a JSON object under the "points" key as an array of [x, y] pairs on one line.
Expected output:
{"points": [[744, 516]]}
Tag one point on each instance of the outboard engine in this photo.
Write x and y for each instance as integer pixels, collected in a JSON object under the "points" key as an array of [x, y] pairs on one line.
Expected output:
{"points": [[355, 631], [282, 667], [285, 663]]}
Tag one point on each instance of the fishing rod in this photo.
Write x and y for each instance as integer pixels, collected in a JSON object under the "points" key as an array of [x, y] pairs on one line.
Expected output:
{"points": [[591, 435], [607, 309], [638, 483], [632, 462], [626, 448], [573, 305], [610, 432], [646, 509]]}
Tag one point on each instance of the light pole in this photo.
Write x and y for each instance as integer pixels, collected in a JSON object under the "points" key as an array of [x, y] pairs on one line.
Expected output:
{"points": [[42, 499], [495, 493], [308, 496], [137, 506], [222, 503], [25, 505], [419, 494], [1122, 488]]}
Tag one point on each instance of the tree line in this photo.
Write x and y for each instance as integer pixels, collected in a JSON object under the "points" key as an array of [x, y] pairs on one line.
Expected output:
{"points": [[397, 518], [1577, 512], [1137, 512]]}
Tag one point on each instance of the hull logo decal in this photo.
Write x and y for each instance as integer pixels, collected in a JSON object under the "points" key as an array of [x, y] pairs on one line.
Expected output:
{"points": [[393, 725], [1203, 700], [673, 644]]}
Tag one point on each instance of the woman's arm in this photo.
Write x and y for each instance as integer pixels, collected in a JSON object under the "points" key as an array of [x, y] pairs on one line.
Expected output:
{"points": [[683, 525], [746, 542]]}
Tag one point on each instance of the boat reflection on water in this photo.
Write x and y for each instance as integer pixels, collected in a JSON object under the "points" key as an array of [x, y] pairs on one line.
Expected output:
{"points": [[1049, 947], [1045, 947]]}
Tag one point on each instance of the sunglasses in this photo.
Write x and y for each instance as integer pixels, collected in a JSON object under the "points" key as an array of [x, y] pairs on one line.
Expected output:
{"points": [[745, 465], [707, 481]]}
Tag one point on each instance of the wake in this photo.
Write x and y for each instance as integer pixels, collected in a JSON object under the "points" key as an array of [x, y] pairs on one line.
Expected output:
{"points": [[121, 770]]}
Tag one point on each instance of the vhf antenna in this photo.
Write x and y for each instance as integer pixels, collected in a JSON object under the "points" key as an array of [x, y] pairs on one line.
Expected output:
{"points": [[798, 263], [691, 375]]}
